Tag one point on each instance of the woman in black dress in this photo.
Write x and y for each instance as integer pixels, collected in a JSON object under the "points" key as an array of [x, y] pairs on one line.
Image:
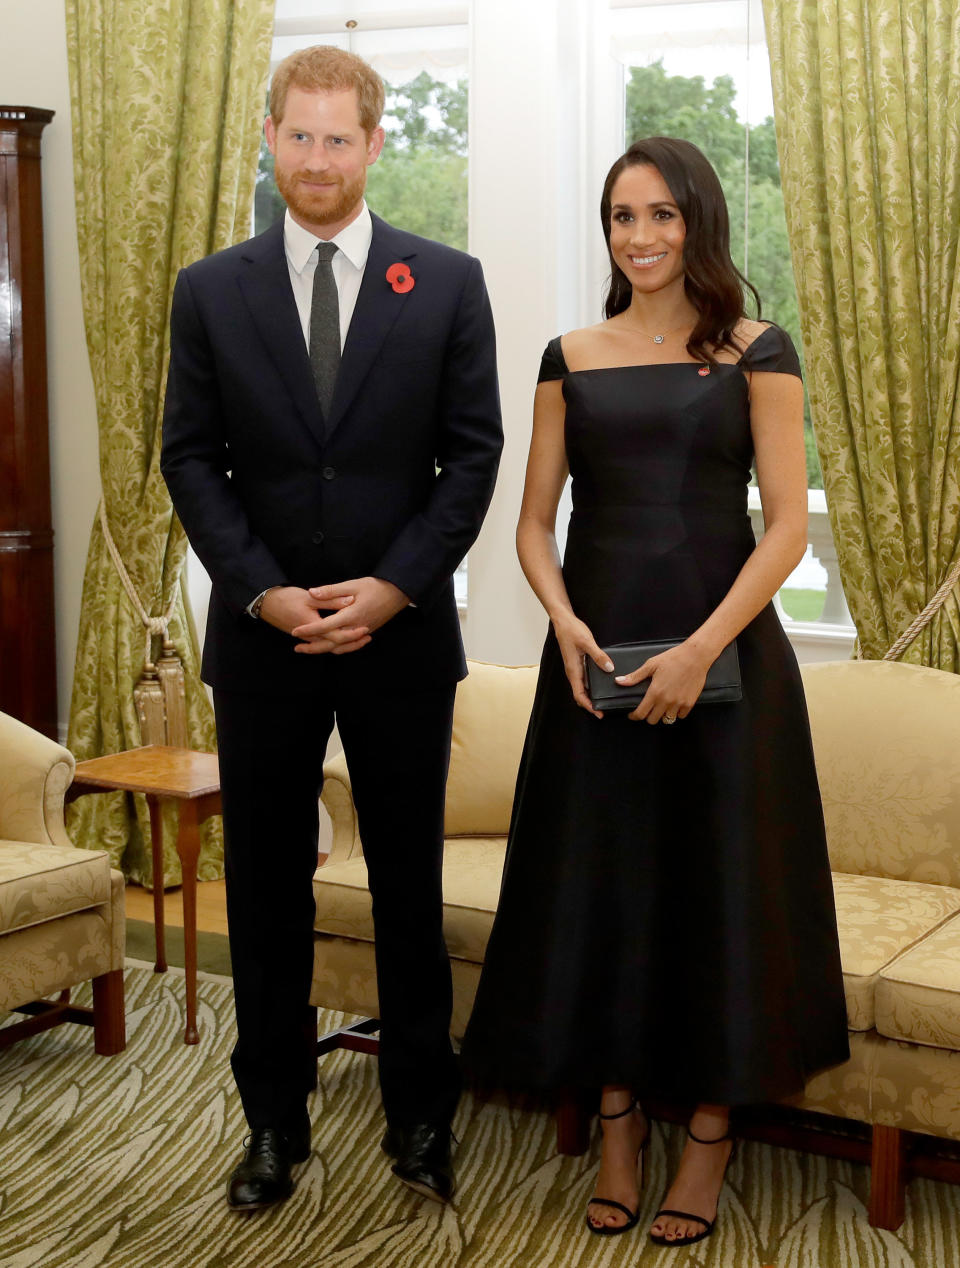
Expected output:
{"points": [[666, 926]]}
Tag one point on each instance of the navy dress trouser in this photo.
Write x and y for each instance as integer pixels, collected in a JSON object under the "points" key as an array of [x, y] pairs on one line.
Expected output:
{"points": [[271, 757]]}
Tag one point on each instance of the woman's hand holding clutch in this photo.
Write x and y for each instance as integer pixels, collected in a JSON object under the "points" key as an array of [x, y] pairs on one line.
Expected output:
{"points": [[676, 680], [576, 641]]}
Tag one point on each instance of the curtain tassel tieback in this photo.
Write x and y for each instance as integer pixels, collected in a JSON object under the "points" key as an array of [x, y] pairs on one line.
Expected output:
{"points": [[897, 648], [160, 693], [174, 689]]}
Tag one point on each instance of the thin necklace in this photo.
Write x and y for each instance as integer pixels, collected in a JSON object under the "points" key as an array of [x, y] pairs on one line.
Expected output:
{"points": [[656, 338]]}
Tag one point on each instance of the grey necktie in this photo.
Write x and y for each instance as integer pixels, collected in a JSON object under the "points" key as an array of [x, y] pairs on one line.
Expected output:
{"points": [[325, 327]]}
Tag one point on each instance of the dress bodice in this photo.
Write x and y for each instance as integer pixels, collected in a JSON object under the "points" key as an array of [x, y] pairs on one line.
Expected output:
{"points": [[664, 434], [660, 458]]}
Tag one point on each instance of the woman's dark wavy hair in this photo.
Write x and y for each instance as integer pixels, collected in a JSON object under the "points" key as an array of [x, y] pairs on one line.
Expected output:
{"points": [[714, 284]]}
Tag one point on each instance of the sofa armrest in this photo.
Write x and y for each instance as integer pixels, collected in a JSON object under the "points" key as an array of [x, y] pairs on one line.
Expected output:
{"points": [[36, 773], [337, 797]]}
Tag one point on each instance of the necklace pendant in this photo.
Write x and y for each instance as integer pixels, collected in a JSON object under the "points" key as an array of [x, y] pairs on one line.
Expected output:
{"points": [[658, 338]]}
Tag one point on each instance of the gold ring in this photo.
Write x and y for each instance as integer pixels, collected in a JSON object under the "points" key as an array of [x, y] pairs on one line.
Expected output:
{"points": [[669, 719]]}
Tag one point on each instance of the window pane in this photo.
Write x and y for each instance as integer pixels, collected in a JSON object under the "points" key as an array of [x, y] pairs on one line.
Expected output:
{"points": [[420, 180], [700, 71]]}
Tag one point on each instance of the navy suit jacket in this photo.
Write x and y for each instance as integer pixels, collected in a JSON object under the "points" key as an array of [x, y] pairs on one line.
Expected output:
{"points": [[394, 484]]}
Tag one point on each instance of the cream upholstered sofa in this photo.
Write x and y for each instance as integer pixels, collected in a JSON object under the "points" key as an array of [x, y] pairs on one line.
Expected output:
{"points": [[61, 909], [887, 743]]}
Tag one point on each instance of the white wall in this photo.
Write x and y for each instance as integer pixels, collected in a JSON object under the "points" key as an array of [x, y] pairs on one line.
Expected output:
{"points": [[33, 72], [542, 137], [511, 165]]}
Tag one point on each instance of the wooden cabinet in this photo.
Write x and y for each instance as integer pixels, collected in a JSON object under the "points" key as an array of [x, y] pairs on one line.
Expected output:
{"points": [[28, 683]]}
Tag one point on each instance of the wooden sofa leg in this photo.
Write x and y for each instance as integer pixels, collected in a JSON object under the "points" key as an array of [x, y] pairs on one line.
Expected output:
{"points": [[109, 1021], [888, 1177], [573, 1124]]}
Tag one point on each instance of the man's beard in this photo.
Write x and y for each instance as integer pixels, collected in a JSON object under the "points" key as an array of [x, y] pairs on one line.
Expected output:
{"points": [[320, 208]]}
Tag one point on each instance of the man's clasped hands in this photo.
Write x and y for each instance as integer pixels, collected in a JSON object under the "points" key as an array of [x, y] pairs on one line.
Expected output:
{"points": [[358, 608]]}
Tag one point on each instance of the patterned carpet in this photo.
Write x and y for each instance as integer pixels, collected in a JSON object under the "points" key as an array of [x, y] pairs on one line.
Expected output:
{"points": [[121, 1162]]}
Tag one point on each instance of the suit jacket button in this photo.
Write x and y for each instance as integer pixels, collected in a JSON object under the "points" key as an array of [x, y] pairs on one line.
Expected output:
{"points": [[317, 539], [328, 473]]}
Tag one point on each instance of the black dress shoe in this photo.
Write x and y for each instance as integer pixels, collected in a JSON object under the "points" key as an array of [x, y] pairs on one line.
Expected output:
{"points": [[422, 1158], [264, 1175]]}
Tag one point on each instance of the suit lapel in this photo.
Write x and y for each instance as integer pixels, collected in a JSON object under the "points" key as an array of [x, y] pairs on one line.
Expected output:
{"points": [[378, 307], [265, 283]]}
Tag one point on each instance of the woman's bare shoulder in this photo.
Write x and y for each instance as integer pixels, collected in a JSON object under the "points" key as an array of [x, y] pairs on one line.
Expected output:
{"points": [[747, 330], [585, 336], [582, 346]]}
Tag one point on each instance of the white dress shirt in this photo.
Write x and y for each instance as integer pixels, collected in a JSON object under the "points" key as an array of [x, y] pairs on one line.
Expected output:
{"points": [[300, 246]]}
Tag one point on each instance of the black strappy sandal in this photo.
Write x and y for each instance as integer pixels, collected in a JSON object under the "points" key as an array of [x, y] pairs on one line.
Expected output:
{"points": [[607, 1230], [658, 1238]]}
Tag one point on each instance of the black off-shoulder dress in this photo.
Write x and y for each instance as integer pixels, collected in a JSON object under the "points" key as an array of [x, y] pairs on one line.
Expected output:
{"points": [[667, 917]]}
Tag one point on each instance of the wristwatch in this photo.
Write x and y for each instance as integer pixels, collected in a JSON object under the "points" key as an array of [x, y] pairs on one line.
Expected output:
{"points": [[257, 604]]}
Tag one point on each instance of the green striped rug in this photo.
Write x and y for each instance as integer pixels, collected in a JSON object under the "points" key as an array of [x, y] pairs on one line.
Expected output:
{"points": [[121, 1162]]}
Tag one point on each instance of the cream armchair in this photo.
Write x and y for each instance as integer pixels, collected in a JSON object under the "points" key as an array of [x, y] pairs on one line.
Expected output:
{"points": [[61, 909]]}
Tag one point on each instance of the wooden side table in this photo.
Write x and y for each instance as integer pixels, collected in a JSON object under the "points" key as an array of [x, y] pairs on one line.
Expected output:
{"points": [[164, 773]]}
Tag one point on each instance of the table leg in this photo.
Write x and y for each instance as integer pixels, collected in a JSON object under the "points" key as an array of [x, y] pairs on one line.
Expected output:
{"points": [[188, 848], [156, 855]]}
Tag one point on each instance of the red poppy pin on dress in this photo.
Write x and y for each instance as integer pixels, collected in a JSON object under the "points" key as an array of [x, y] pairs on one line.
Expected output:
{"points": [[704, 370], [400, 278]]}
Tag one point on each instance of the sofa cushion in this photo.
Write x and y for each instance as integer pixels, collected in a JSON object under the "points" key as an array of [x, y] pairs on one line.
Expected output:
{"points": [[918, 996], [471, 888], [489, 725], [878, 920], [42, 882]]}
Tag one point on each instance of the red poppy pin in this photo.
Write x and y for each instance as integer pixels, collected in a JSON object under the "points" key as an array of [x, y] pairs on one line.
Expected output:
{"points": [[704, 370], [400, 278]]}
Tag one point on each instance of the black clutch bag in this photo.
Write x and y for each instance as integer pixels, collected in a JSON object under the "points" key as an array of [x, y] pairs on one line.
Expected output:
{"points": [[722, 684]]}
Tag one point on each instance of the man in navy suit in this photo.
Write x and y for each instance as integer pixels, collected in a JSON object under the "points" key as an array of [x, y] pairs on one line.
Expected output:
{"points": [[330, 441]]}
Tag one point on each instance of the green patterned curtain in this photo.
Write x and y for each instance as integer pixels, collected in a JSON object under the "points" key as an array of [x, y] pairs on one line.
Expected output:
{"points": [[868, 126], [167, 102]]}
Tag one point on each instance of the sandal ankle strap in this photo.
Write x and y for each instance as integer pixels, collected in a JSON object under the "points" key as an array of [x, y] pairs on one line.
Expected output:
{"points": [[621, 1113], [701, 1141]]}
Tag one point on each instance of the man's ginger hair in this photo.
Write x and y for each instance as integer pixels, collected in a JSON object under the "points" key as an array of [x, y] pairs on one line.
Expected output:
{"points": [[324, 68]]}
